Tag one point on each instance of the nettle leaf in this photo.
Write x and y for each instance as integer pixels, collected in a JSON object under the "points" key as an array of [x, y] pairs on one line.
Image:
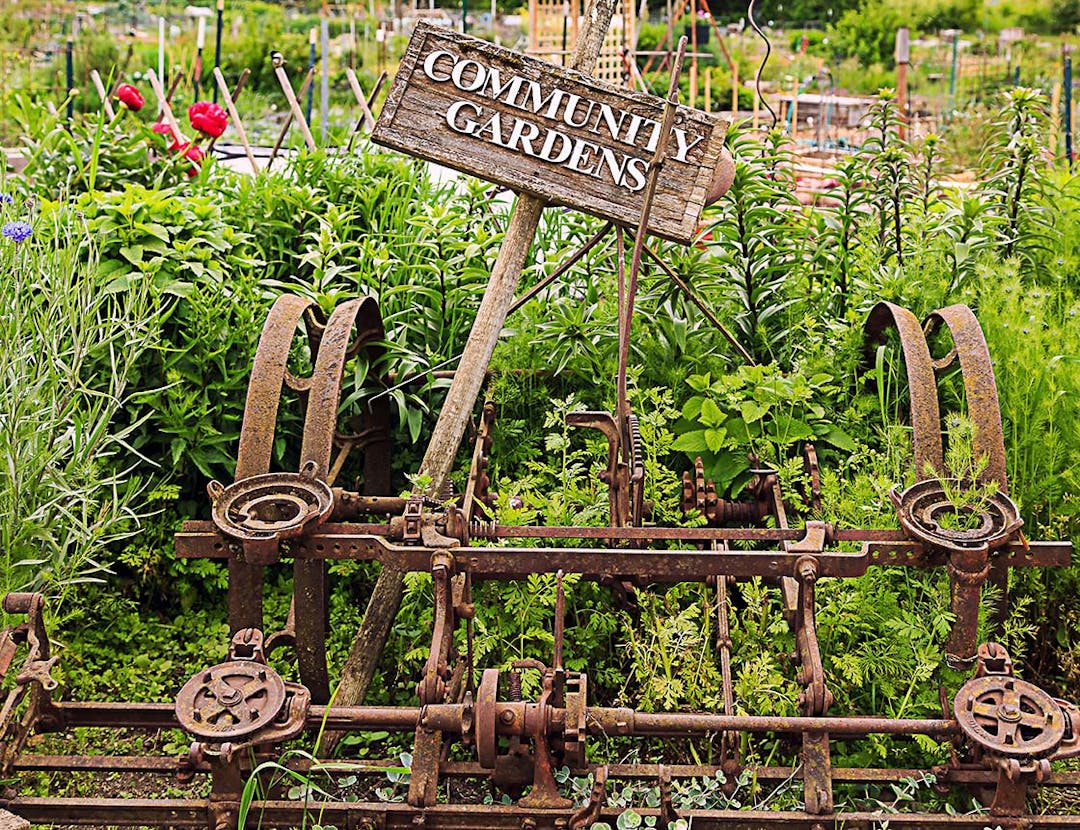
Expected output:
{"points": [[838, 438], [711, 414], [691, 442], [692, 408], [753, 411], [714, 438], [787, 430]]}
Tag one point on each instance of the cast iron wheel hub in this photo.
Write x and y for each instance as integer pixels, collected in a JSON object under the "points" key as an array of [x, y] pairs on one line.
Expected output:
{"points": [[1009, 717], [230, 700], [925, 507]]}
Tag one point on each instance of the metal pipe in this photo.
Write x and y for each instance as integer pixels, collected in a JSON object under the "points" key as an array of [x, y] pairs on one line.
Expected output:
{"points": [[1068, 112], [217, 47]]}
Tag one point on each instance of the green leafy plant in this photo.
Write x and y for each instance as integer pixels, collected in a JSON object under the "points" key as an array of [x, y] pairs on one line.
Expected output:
{"points": [[755, 411]]}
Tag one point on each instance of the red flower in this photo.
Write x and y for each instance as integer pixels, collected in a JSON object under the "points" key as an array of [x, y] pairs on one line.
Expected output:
{"points": [[208, 118], [192, 152], [163, 128], [130, 97]]}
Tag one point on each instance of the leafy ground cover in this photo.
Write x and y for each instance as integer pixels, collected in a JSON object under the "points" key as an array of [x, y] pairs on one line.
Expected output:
{"points": [[132, 299]]}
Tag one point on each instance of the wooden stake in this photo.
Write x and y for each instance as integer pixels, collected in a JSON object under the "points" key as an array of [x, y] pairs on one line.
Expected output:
{"points": [[166, 109], [734, 90], [368, 118], [102, 94], [289, 119], [370, 640], [708, 89], [1055, 118], [294, 105], [230, 105], [795, 111]]}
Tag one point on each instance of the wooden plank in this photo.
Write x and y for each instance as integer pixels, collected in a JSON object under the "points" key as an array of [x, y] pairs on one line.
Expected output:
{"points": [[548, 131]]}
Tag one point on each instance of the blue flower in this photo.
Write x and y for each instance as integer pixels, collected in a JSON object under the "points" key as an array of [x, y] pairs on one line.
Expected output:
{"points": [[5, 199], [17, 231]]}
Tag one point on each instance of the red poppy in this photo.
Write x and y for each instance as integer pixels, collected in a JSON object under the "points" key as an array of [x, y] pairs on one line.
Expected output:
{"points": [[130, 97], [192, 152], [208, 118]]}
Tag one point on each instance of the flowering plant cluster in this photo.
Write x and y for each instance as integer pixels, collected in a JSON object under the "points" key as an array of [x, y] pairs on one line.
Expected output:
{"points": [[207, 118], [17, 231]]}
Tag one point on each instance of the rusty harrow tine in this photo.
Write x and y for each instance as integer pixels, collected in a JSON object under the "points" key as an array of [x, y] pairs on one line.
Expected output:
{"points": [[257, 441], [309, 576], [922, 385], [980, 388]]}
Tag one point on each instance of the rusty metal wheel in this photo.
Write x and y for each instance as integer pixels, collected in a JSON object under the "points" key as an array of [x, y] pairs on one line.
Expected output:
{"points": [[486, 696], [1009, 717], [230, 700]]}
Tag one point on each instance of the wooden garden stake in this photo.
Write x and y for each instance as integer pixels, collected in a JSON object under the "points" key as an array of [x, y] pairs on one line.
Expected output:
{"points": [[166, 109], [294, 104], [235, 96], [289, 119], [230, 105], [367, 645], [102, 94], [368, 118]]}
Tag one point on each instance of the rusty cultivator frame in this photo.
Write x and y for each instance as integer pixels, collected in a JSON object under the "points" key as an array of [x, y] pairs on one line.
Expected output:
{"points": [[474, 722], [1005, 732]]}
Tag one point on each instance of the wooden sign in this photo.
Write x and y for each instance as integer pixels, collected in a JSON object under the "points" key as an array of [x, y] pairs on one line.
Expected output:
{"points": [[548, 131]]}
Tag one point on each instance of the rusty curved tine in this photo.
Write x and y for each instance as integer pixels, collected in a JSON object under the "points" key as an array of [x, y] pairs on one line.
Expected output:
{"points": [[984, 409], [980, 388], [257, 441], [372, 336], [320, 422], [922, 382]]}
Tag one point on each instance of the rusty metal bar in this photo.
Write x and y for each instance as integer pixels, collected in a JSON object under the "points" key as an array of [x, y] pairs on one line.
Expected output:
{"points": [[193, 813]]}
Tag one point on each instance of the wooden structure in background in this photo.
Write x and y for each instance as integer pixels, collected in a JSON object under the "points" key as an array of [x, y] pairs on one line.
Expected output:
{"points": [[554, 27]]}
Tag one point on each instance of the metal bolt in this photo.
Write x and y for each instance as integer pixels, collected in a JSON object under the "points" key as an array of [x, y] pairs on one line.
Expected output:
{"points": [[528, 824], [507, 716]]}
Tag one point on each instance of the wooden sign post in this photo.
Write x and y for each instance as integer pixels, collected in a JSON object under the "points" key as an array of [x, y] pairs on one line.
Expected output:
{"points": [[549, 131], [450, 59]]}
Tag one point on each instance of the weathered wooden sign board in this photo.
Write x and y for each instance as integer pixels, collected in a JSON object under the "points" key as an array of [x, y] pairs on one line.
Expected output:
{"points": [[547, 130]]}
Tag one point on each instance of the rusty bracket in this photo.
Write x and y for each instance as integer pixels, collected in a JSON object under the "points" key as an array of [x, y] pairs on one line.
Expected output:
{"points": [[590, 813]]}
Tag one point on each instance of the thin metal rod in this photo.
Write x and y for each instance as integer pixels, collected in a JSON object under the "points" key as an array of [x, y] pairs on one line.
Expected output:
{"points": [[675, 278], [639, 238], [572, 260]]}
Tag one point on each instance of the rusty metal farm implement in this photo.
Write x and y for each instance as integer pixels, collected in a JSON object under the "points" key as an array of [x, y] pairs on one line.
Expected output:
{"points": [[1005, 732], [473, 723]]}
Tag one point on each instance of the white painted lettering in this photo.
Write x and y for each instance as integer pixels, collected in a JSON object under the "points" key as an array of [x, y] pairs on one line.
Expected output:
{"points": [[682, 147], [467, 125], [547, 151], [582, 154], [432, 59], [519, 136], [479, 77]]}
